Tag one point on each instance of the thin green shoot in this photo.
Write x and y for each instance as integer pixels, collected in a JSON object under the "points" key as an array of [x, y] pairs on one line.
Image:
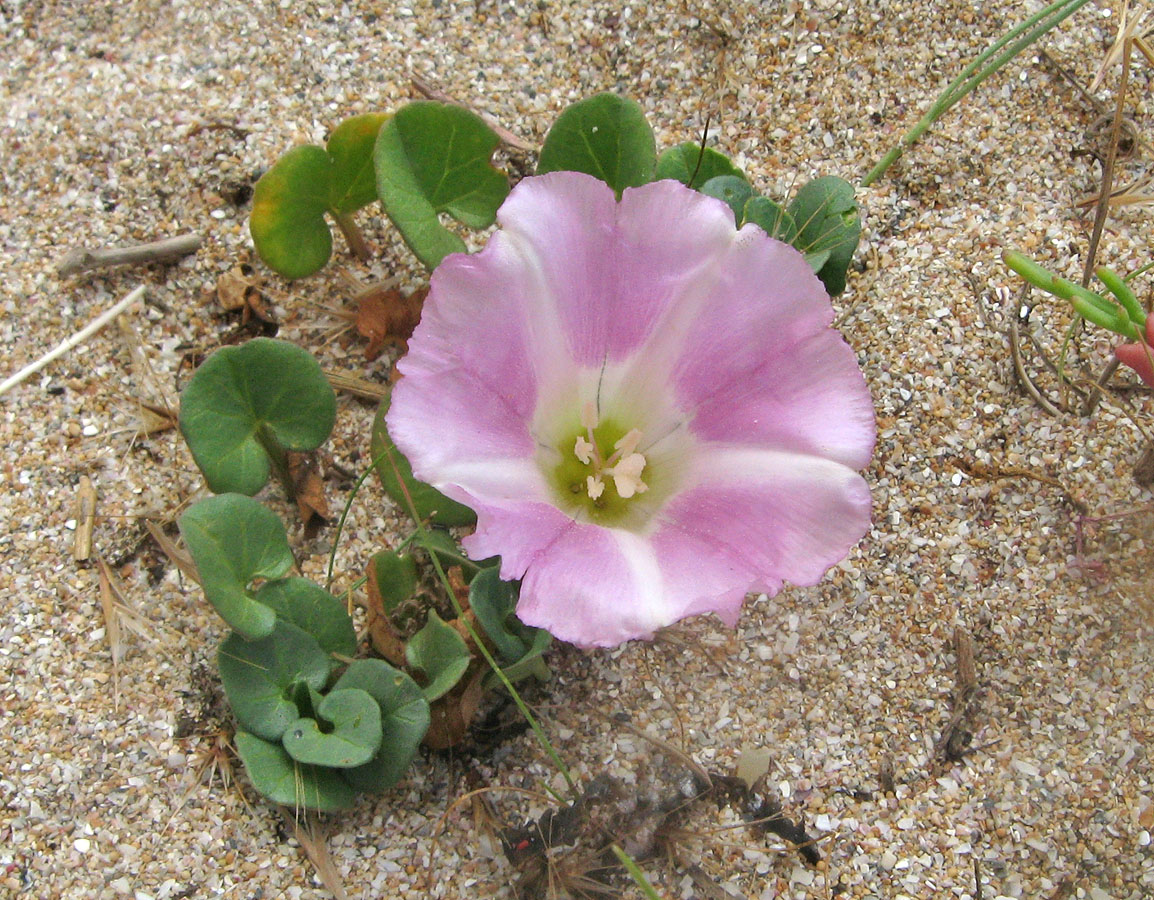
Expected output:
{"points": [[344, 515], [982, 67], [635, 873]]}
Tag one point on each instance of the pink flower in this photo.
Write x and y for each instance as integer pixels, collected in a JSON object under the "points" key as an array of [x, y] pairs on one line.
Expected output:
{"points": [[646, 407], [1140, 357]]}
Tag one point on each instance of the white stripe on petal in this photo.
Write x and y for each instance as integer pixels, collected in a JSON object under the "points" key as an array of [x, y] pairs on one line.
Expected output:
{"points": [[755, 466], [652, 606], [496, 479]]}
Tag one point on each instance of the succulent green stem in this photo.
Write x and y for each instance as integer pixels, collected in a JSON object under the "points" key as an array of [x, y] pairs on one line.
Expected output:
{"points": [[1123, 292], [1125, 317], [983, 66]]}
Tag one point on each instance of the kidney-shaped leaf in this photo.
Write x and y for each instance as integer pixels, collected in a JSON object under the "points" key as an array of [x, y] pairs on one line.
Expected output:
{"points": [[261, 678], [245, 402], [394, 471], [353, 182], [494, 602], [735, 191], [234, 540], [693, 165], [404, 721], [290, 200], [392, 578], [434, 158], [605, 136], [771, 218], [314, 610], [283, 780], [828, 222], [352, 735], [440, 653]]}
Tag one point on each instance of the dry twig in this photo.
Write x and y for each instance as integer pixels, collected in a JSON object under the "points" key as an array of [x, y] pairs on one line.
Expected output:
{"points": [[69, 343], [85, 519], [955, 741], [79, 260]]}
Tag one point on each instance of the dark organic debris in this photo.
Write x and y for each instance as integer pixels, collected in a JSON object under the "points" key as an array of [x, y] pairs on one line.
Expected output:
{"points": [[569, 846]]}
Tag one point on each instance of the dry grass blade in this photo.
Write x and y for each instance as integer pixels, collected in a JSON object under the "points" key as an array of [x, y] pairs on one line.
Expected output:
{"points": [[173, 551], [311, 837], [209, 762], [1136, 193], [358, 387], [1133, 28], [119, 618], [155, 406]]}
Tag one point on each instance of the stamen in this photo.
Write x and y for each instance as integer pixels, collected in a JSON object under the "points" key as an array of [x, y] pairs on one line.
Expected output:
{"points": [[584, 450], [627, 476], [629, 442], [595, 486]]}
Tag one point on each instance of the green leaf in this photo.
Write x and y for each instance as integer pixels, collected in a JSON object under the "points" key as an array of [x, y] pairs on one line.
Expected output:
{"points": [[404, 721], [605, 136], [529, 665], [282, 779], [494, 603], [394, 577], [689, 165], [352, 735], [287, 223], [261, 678], [353, 183], [429, 502], [313, 610], [735, 191], [246, 405], [771, 218], [827, 218], [440, 653], [434, 158], [234, 540]]}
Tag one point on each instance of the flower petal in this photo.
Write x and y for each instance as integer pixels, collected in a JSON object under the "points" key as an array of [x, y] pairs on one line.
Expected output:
{"points": [[755, 519], [595, 587], [470, 386], [764, 366], [609, 270]]}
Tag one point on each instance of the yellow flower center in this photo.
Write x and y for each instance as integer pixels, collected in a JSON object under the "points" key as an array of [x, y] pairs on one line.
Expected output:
{"points": [[596, 482]]}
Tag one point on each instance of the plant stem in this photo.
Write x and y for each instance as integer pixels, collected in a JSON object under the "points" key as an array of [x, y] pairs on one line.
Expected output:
{"points": [[974, 74], [353, 236]]}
